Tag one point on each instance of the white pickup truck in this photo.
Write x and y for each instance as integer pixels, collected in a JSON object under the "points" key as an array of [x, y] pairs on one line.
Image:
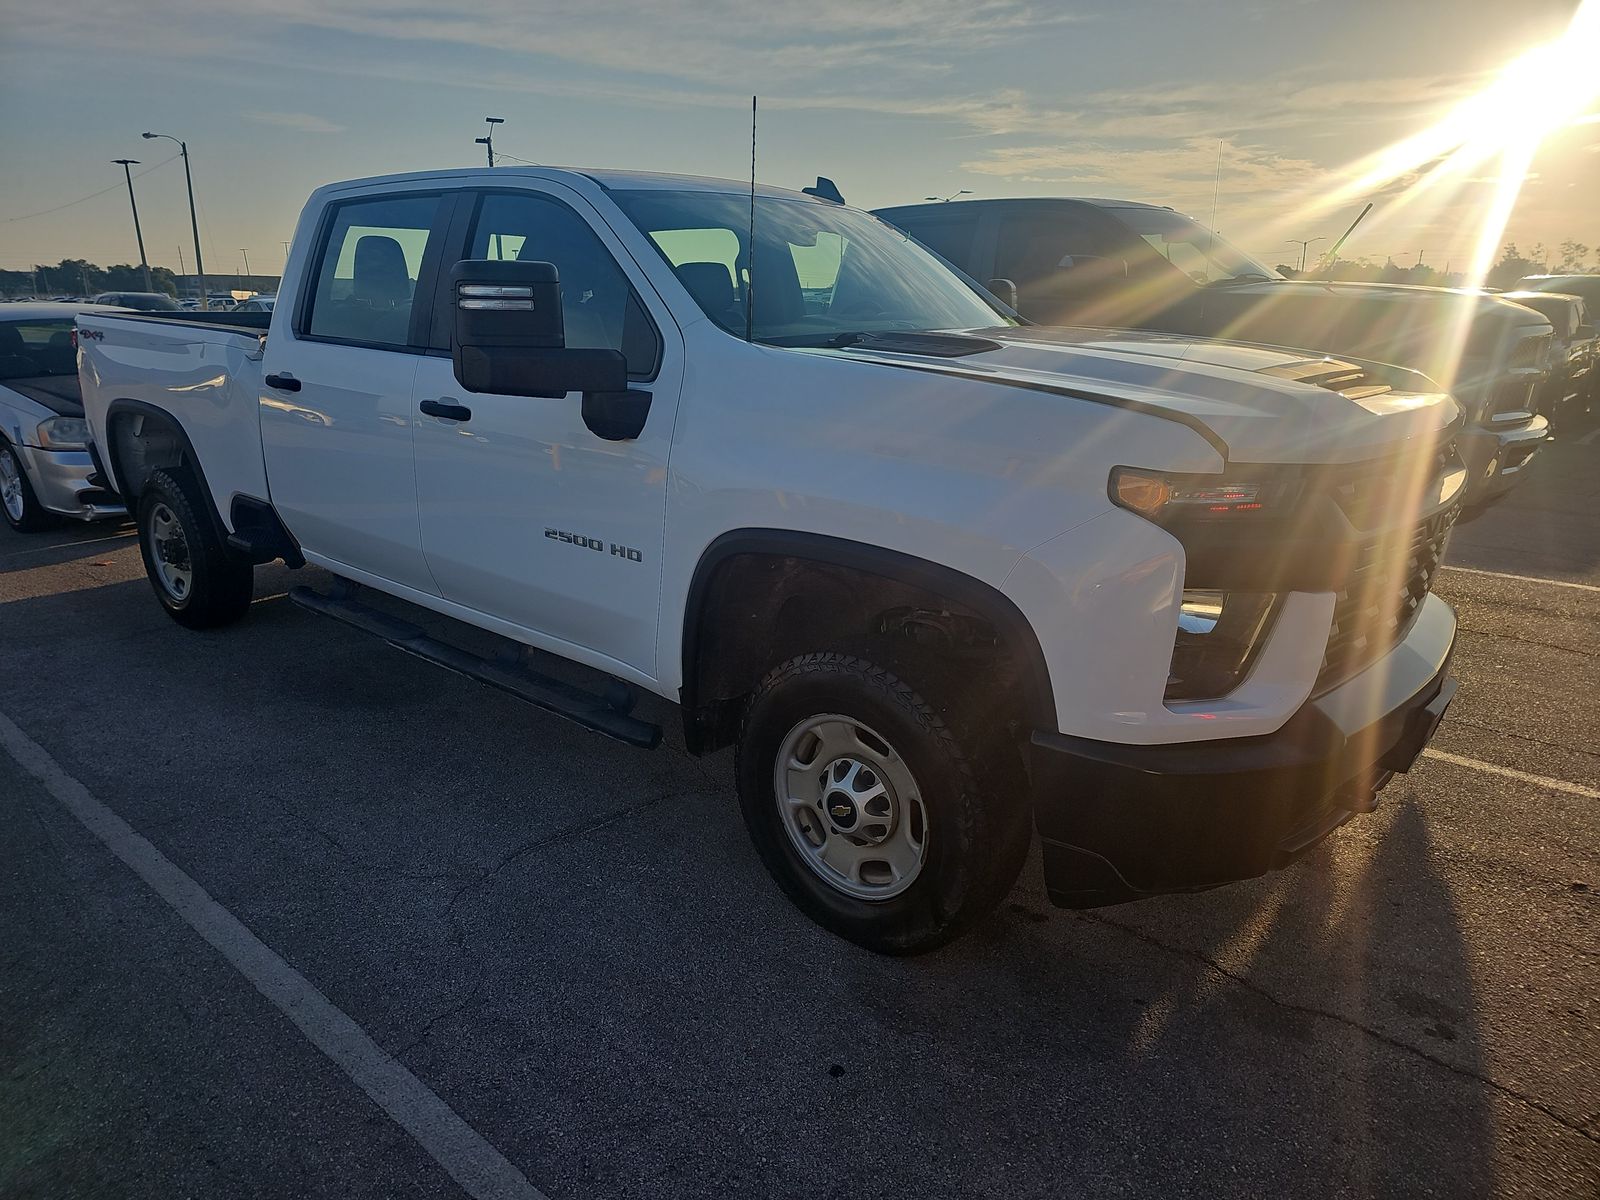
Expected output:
{"points": [[940, 577]]}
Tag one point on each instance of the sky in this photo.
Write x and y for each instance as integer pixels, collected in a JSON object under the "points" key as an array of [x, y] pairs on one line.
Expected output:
{"points": [[893, 99]]}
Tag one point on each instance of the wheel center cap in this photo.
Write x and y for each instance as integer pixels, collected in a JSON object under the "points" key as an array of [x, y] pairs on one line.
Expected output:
{"points": [[841, 810]]}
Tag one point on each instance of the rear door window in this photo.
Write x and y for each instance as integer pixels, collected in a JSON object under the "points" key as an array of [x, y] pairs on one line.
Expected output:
{"points": [[367, 271]]}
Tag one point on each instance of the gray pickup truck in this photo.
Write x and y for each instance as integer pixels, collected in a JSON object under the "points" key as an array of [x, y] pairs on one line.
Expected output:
{"points": [[1124, 265]]}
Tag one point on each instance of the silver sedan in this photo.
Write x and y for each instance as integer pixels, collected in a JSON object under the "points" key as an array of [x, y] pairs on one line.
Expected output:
{"points": [[46, 467]]}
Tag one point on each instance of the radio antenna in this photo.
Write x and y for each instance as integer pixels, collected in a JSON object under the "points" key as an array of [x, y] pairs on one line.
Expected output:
{"points": [[750, 261]]}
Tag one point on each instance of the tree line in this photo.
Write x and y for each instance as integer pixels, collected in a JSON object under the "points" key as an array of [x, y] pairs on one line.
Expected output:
{"points": [[1571, 258], [79, 277]]}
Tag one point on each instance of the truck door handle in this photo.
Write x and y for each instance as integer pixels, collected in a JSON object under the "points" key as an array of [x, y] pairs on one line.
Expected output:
{"points": [[445, 410], [284, 383]]}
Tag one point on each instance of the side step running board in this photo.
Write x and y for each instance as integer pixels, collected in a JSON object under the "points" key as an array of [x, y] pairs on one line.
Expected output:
{"points": [[607, 715]]}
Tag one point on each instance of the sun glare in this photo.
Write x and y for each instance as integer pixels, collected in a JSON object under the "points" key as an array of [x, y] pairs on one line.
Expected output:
{"points": [[1497, 130]]}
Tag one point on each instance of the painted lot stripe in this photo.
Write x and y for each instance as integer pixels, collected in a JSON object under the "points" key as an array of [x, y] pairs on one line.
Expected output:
{"points": [[1557, 785], [1582, 587], [1588, 438], [480, 1169], [127, 537]]}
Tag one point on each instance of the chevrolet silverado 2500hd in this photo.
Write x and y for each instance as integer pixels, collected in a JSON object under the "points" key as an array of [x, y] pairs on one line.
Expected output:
{"points": [[939, 578]]}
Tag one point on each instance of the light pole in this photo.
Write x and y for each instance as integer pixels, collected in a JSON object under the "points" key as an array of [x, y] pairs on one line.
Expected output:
{"points": [[950, 197], [127, 165], [244, 285], [194, 223], [1305, 243], [487, 141]]}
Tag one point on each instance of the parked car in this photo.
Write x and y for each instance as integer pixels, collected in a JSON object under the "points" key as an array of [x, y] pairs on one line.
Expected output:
{"points": [[46, 469], [143, 301], [1587, 286], [937, 576], [1569, 367], [1120, 264], [259, 304]]}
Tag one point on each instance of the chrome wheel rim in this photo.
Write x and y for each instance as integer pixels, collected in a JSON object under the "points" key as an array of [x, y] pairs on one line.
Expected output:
{"points": [[169, 551], [11, 484], [851, 807]]}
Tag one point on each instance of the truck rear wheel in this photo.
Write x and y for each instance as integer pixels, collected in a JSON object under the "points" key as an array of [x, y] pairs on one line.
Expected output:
{"points": [[197, 581], [870, 814]]}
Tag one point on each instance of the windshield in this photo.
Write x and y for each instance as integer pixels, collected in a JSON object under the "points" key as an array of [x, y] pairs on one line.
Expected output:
{"points": [[822, 273], [1190, 247], [30, 349]]}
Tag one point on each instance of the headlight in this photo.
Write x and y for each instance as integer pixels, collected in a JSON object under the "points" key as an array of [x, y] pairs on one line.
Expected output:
{"points": [[1219, 635], [1161, 497], [64, 433]]}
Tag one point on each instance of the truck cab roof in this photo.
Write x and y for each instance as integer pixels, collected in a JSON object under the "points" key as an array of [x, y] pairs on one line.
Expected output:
{"points": [[609, 179]]}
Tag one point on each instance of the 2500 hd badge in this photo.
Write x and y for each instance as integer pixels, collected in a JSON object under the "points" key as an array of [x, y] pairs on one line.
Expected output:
{"points": [[591, 543]]}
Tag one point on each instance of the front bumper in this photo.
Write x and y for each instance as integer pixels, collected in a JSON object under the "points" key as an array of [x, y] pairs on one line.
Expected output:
{"points": [[1121, 822], [1495, 456], [61, 480]]}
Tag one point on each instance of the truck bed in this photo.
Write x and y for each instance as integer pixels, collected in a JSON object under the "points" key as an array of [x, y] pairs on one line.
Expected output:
{"points": [[202, 369]]}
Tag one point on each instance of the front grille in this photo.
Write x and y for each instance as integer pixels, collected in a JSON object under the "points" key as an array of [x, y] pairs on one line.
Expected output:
{"points": [[1377, 605], [1530, 353]]}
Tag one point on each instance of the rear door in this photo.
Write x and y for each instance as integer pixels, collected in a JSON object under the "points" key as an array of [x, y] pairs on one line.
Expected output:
{"points": [[527, 516], [336, 408]]}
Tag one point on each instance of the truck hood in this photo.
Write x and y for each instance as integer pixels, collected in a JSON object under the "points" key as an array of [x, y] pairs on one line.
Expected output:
{"points": [[1433, 330], [1254, 403]]}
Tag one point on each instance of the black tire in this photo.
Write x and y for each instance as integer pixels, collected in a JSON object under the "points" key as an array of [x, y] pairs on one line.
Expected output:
{"points": [[972, 790], [35, 517], [219, 587]]}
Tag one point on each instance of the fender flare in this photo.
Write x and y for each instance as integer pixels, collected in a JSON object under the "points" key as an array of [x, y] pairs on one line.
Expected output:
{"points": [[125, 407], [982, 598]]}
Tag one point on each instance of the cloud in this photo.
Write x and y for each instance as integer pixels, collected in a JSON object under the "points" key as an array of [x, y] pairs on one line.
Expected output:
{"points": [[692, 40], [1180, 172], [300, 122]]}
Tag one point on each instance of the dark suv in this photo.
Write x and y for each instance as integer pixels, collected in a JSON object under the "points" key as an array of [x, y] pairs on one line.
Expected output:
{"points": [[143, 301], [1123, 265]]}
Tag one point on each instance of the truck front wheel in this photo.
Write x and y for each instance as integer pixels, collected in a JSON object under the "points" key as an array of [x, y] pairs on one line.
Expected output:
{"points": [[197, 581], [870, 814]]}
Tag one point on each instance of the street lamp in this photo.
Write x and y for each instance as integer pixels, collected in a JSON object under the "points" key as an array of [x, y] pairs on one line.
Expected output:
{"points": [[194, 223], [950, 197], [1304, 243], [487, 142], [127, 165]]}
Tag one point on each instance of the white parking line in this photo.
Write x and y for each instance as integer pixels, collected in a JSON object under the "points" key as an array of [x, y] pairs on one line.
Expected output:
{"points": [[480, 1169], [1558, 785], [1582, 587], [128, 537], [1588, 438]]}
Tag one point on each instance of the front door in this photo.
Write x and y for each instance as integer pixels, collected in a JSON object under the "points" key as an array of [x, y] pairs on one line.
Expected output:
{"points": [[527, 516], [336, 407]]}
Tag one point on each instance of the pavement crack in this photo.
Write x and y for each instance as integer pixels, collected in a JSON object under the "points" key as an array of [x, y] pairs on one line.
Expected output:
{"points": [[1506, 637], [565, 833], [1310, 1010], [1522, 737], [444, 1015]]}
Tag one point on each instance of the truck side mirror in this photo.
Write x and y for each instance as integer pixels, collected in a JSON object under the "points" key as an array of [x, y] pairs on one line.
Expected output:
{"points": [[509, 336], [509, 339], [1003, 290]]}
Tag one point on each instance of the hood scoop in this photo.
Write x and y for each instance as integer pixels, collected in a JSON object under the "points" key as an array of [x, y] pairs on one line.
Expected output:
{"points": [[1334, 375]]}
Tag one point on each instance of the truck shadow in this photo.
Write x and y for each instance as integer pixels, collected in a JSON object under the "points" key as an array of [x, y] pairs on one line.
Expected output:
{"points": [[1332, 1005]]}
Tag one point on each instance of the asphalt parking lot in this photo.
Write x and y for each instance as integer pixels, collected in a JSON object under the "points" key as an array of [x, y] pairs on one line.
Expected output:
{"points": [[556, 963]]}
